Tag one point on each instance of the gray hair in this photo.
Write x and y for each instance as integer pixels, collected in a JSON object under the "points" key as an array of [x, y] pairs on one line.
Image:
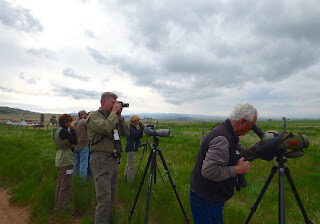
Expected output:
{"points": [[81, 112], [243, 111], [107, 95]]}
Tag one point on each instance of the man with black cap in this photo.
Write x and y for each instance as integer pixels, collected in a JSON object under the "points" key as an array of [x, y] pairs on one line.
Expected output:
{"points": [[81, 149]]}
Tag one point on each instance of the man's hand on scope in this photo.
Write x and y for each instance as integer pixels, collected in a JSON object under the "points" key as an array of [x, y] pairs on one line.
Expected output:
{"points": [[273, 132], [270, 131], [242, 167]]}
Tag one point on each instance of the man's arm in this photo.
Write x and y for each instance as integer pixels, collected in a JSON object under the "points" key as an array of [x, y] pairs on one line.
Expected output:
{"points": [[101, 125], [136, 133], [246, 151], [214, 166]]}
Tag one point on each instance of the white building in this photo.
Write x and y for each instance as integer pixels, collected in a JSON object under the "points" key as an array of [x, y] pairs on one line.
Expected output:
{"points": [[26, 122], [12, 122]]}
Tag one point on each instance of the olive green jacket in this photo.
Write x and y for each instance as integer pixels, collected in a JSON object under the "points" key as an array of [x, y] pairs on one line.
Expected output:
{"points": [[64, 154], [100, 126]]}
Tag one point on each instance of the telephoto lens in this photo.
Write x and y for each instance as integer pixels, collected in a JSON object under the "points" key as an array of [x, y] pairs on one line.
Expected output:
{"points": [[149, 131], [124, 104]]}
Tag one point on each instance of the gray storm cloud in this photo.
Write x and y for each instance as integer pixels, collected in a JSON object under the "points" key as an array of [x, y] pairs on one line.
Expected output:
{"points": [[79, 94], [89, 34], [41, 53], [76, 93], [205, 45], [7, 90], [18, 18], [69, 72], [28, 80]]}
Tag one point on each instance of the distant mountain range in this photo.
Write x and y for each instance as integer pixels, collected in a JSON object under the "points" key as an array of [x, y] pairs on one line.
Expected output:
{"points": [[180, 117], [173, 117], [154, 116], [16, 111]]}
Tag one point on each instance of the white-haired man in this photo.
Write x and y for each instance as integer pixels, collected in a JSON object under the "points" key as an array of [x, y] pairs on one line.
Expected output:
{"points": [[214, 176]]}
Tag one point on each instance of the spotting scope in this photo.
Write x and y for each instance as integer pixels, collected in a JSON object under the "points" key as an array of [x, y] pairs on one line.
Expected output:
{"points": [[290, 145], [150, 131]]}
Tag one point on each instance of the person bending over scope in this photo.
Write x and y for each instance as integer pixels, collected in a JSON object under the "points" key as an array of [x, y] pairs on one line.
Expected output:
{"points": [[214, 176]]}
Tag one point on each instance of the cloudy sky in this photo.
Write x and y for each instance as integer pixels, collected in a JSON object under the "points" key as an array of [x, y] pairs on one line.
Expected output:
{"points": [[192, 57]]}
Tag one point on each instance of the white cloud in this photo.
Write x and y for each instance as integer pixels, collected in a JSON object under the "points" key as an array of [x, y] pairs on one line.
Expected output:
{"points": [[201, 58], [18, 18]]}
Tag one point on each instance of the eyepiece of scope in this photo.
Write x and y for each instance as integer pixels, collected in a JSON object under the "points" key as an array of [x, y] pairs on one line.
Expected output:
{"points": [[258, 131]]}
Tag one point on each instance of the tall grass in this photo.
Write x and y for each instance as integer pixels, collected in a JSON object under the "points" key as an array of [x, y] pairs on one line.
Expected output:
{"points": [[27, 165]]}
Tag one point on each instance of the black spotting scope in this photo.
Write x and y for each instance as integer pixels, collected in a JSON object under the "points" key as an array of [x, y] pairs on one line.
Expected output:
{"points": [[290, 145], [150, 131]]}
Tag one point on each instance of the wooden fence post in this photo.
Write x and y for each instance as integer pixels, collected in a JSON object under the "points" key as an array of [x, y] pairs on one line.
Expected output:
{"points": [[202, 131], [284, 125]]}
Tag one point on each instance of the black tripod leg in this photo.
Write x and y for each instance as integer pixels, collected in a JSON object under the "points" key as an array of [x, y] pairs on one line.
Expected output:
{"points": [[155, 169], [295, 192], [135, 176], [173, 185], [160, 174], [152, 173], [254, 208], [281, 207], [141, 184]]}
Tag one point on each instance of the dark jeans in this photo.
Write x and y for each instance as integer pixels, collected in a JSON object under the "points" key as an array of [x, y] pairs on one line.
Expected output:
{"points": [[205, 212], [89, 170]]}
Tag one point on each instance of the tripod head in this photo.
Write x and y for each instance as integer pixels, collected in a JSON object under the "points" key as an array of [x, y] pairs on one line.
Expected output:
{"points": [[155, 142]]}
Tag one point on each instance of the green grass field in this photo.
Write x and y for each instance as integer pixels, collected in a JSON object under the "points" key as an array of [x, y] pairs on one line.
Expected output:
{"points": [[27, 166]]}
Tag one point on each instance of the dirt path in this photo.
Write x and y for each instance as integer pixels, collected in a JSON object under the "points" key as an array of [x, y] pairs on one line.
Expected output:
{"points": [[10, 214]]}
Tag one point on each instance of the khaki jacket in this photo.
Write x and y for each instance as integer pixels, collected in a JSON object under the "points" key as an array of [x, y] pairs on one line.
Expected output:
{"points": [[100, 126], [81, 129]]}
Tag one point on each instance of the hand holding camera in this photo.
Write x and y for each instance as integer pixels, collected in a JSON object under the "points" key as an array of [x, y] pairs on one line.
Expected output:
{"points": [[116, 107]]}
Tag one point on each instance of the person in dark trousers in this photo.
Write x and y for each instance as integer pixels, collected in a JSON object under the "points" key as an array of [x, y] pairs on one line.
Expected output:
{"points": [[133, 141], [64, 137], [214, 176]]}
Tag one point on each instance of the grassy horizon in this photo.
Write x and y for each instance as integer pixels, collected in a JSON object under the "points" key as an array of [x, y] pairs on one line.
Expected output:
{"points": [[27, 166]]}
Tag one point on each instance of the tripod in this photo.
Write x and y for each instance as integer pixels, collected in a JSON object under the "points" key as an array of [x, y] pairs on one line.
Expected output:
{"points": [[145, 148], [153, 161], [283, 170]]}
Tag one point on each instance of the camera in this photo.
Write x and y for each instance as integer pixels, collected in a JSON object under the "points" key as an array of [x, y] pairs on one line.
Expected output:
{"points": [[150, 131], [123, 104]]}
